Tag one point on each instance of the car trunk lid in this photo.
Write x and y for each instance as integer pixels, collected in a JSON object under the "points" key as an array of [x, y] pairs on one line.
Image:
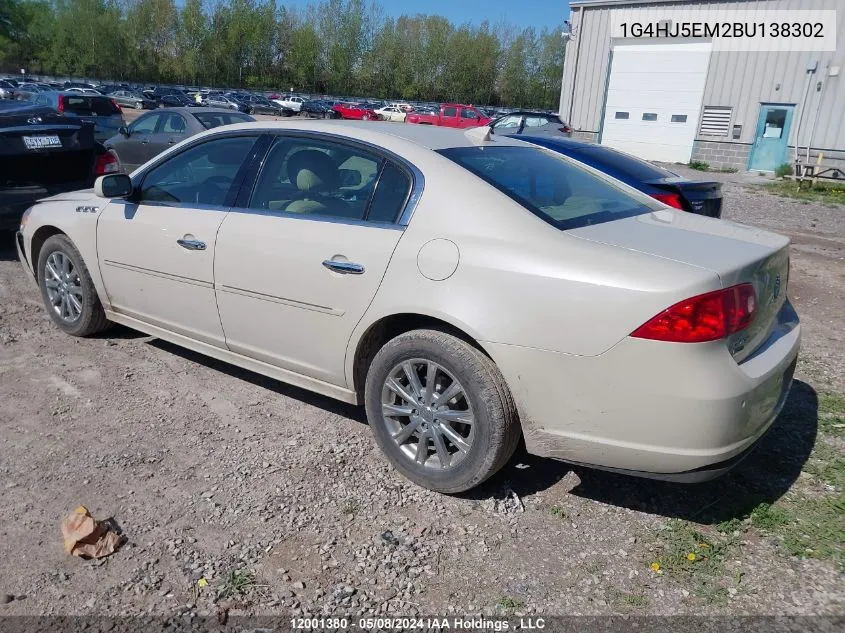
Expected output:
{"points": [[734, 252]]}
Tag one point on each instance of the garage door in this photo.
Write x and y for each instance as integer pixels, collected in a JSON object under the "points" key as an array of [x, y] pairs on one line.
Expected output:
{"points": [[654, 99]]}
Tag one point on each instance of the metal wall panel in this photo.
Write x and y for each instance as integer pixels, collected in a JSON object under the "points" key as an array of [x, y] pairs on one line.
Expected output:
{"points": [[740, 80]]}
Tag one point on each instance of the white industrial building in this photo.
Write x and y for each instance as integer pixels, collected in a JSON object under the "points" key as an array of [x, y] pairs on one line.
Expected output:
{"points": [[675, 100]]}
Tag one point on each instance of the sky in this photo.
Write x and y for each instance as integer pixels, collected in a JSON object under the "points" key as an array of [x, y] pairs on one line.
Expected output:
{"points": [[521, 13]]}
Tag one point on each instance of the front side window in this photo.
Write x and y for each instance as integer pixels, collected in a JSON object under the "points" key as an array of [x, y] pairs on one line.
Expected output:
{"points": [[145, 124], [510, 121], [466, 113], [202, 174], [552, 187], [450, 111]]}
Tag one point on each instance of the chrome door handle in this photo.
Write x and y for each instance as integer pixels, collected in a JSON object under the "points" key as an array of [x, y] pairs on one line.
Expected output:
{"points": [[347, 268], [191, 245]]}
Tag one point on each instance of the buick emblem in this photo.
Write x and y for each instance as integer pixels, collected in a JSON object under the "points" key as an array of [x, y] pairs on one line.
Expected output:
{"points": [[34, 120], [776, 288]]}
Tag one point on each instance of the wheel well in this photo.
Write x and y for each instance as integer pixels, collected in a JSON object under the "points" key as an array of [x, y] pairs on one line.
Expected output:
{"points": [[41, 235], [390, 327]]}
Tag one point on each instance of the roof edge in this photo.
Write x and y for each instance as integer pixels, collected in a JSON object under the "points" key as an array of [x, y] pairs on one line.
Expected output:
{"points": [[608, 3]]}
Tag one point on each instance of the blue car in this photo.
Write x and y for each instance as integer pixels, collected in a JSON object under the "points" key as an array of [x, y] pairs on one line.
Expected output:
{"points": [[102, 111], [694, 196]]}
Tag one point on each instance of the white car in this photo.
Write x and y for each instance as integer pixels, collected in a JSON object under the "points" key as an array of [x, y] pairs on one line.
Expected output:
{"points": [[84, 91], [391, 113], [292, 102], [469, 290]]}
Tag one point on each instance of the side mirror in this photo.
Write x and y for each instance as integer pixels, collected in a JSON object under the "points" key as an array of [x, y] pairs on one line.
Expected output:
{"points": [[113, 186], [123, 130]]}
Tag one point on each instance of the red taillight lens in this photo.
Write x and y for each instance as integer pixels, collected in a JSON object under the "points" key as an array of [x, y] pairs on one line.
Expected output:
{"points": [[672, 199], [565, 129], [707, 317], [61, 107], [107, 163], [117, 105]]}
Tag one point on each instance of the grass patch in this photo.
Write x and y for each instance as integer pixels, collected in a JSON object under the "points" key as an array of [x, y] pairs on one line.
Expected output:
{"points": [[236, 583], [558, 512], [730, 526], [696, 560], [832, 414], [508, 605], [783, 170], [699, 165], [822, 192], [769, 517]]}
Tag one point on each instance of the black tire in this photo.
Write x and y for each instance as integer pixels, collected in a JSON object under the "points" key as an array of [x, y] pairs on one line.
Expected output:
{"points": [[92, 318], [496, 425]]}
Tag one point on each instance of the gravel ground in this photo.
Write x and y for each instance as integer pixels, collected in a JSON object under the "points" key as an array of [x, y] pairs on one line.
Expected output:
{"points": [[279, 499]]}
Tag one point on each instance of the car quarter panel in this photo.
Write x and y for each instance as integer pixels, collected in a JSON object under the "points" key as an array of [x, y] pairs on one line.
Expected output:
{"points": [[519, 280]]}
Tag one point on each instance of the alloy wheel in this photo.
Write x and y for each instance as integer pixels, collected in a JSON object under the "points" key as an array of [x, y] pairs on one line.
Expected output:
{"points": [[428, 414], [64, 287]]}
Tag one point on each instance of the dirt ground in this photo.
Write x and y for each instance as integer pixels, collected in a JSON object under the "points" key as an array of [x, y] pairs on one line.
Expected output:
{"points": [[280, 501]]}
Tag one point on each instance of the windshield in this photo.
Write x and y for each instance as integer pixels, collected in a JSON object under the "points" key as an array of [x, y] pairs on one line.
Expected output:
{"points": [[547, 184]]}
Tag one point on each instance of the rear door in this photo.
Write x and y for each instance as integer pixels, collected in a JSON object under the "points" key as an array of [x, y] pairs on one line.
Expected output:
{"points": [[469, 118], [449, 116], [172, 129], [156, 250], [296, 268]]}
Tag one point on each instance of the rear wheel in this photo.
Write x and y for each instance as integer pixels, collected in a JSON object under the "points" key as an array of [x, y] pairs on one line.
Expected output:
{"points": [[67, 289], [440, 410]]}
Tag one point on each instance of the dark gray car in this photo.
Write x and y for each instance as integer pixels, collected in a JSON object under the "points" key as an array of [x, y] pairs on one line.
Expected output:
{"points": [[522, 122], [155, 131], [100, 110]]}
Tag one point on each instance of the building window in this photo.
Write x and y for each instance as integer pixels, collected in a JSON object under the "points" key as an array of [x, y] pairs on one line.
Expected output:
{"points": [[649, 116], [621, 115], [679, 118], [715, 121]]}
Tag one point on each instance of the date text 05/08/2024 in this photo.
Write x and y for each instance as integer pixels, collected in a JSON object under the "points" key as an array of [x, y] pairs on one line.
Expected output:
{"points": [[426, 623]]}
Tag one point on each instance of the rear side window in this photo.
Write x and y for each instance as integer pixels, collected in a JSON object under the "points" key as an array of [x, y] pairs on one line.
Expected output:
{"points": [[216, 119], [390, 195], [85, 105], [555, 189], [622, 163], [450, 111]]}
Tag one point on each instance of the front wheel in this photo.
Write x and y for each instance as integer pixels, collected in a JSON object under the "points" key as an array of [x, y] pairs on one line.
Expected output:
{"points": [[67, 289], [440, 410]]}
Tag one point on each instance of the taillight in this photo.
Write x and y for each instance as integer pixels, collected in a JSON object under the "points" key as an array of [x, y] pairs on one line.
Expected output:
{"points": [[672, 199], [106, 163], [565, 129], [117, 105], [707, 317], [61, 107]]}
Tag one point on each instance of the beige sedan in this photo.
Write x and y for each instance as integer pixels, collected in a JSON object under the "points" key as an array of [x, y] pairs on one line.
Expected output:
{"points": [[469, 290]]}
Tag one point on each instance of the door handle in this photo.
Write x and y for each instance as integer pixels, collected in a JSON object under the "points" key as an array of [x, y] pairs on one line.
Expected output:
{"points": [[346, 268], [191, 245]]}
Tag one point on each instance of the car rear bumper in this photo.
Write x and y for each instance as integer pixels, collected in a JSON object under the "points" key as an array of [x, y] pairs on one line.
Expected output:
{"points": [[686, 412]]}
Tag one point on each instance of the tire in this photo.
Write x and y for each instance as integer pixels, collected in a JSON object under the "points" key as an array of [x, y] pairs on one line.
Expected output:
{"points": [[91, 318], [492, 437]]}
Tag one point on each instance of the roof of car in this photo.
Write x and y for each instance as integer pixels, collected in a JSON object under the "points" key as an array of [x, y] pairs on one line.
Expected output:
{"points": [[561, 142], [202, 110], [428, 136]]}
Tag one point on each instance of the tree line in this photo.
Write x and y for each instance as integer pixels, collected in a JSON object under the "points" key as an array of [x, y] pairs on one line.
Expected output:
{"points": [[340, 47]]}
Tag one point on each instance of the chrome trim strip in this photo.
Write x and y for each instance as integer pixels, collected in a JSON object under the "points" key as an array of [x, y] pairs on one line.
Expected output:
{"points": [[274, 299], [158, 273]]}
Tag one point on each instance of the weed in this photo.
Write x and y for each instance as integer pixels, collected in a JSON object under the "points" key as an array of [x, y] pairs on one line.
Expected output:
{"points": [[730, 526], [832, 414], [783, 170], [821, 192], [236, 583], [350, 507], [558, 512], [699, 165], [509, 605], [769, 517]]}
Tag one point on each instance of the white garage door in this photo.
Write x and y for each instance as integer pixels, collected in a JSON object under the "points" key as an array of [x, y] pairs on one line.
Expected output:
{"points": [[654, 99]]}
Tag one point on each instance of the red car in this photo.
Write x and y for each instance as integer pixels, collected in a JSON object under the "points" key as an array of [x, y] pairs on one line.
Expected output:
{"points": [[450, 115], [355, 111]]}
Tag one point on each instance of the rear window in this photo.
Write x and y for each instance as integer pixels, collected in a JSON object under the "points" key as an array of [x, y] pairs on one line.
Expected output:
{"points": [[552, 187], [216, 119], [635, 168], [87, 105]]}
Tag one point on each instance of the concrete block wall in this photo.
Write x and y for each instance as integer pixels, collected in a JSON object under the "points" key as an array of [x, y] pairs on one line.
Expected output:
{"points": [[592, 137], [721, 154]]}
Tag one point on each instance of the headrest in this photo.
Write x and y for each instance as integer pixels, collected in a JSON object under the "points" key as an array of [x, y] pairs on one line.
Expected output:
{"points": [[313, 170]]}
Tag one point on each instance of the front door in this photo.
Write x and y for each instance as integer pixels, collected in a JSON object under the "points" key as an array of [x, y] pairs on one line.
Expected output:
{"points": [[156, 252], [770, 150], [298, 264]]}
